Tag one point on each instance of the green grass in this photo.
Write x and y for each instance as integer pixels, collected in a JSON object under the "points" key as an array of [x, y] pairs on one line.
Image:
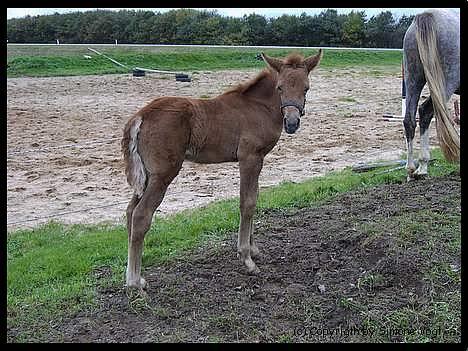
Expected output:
{"points": [[435, 238], [39, 61], [347, 99], [53, 270]]}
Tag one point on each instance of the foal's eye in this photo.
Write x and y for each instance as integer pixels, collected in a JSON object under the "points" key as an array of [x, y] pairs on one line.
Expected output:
{"points": [[280, 88]]}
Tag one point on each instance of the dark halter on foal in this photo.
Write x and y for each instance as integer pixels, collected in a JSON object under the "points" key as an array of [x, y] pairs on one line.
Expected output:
{"points": [[294, 104]]}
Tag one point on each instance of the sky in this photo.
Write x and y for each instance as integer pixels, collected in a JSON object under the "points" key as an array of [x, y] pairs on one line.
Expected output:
{"points": [[234, 12]]}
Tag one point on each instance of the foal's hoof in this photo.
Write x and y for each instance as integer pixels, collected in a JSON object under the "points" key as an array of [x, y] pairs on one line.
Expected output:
{"points": [[135, 291], [252, 268], [142, 284]]}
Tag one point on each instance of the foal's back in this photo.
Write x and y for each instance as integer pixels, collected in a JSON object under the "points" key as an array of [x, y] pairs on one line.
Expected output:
{"points": [[206, 130]]}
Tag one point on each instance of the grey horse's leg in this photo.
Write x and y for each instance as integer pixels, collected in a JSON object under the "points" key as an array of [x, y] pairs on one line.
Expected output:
{"points": [[250, 168], [426, 112], [414, 81], [409, 123]]}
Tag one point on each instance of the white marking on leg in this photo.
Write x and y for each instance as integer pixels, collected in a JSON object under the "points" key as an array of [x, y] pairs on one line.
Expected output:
{"points": [[134, 278], [425, 154], [409, 160], [131, 271]]}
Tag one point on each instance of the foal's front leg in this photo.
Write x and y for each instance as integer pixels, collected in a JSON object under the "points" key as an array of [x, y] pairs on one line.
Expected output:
{"points": [[250, 168]]}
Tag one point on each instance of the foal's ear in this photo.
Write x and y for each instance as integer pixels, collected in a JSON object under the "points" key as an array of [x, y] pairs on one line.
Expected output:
{"points": [[272, 62], [312, 61]]}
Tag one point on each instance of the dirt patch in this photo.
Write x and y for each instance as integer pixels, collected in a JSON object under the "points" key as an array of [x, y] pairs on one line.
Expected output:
{"points": [[322, 271], [86, 114]]}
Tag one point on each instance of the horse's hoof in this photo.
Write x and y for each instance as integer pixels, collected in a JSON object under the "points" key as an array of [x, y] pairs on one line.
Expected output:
{"points": [[254, 271], [419, 175], [143, 285], [410, 174], [254, 251], [252, 268]]}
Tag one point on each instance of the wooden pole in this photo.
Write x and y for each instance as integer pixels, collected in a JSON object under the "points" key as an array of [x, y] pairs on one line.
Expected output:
{"points": [[154, 70], [107, 57]]}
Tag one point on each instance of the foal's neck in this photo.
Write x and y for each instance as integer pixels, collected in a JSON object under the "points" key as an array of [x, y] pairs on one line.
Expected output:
{"points": [[264, 88]]}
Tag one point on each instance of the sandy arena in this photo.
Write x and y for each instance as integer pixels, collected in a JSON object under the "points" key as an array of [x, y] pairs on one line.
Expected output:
{"points": [[64, 140]]}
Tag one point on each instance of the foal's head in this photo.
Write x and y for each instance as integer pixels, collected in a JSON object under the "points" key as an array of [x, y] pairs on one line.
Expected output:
{"points": [[292, 85]]}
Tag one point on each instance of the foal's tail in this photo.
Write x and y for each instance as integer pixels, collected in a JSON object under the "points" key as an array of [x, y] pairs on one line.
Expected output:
{"points": [[134, 166], [426, 38]]}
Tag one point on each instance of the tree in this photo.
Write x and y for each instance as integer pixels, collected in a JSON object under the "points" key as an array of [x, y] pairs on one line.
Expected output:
{"points": [[285, 29], [380, 30], [308, 30], [330, 26], [189, 26], [255, 29], [354, 29], [399, 32], [234, 32]]}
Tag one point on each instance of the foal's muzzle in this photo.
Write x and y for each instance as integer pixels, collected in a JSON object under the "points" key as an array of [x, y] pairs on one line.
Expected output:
{"points": [[291, 116], [291, 124]]}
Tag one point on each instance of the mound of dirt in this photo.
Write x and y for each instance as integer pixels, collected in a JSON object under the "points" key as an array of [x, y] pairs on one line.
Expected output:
{"points": [[324, 271]]}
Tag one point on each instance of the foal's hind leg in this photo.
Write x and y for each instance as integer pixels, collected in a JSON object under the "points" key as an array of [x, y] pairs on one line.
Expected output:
{"points": [[426, 112], [131, 205], [141, 219], [250, 167]]}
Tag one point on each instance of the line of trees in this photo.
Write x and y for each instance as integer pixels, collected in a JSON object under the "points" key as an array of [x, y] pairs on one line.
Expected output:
{"points": [[189, 26]]}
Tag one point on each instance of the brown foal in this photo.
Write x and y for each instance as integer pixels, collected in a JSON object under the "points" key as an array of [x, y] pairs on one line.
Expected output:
{"points": [[241, 125]]}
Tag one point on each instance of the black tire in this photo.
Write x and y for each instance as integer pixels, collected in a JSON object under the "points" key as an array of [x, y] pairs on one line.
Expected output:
{"points": [[138, 73]]}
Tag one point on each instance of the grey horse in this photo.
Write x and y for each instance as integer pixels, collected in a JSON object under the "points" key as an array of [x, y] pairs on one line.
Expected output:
{"points": [[431, 54]]}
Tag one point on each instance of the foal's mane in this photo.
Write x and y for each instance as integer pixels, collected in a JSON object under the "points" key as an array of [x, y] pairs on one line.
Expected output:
{"points": [[294, 59], [244, 87]]}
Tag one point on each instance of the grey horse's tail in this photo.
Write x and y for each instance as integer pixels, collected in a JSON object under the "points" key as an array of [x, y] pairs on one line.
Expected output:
{"points": [[426, 38], [134, 166]]}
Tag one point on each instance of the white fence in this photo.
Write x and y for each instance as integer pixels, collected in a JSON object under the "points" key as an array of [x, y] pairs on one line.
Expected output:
{"points": [[213, 46]]}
